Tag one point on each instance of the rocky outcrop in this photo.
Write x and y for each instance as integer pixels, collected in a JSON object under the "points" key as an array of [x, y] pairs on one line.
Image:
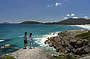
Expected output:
{"points": [[66, 42]]}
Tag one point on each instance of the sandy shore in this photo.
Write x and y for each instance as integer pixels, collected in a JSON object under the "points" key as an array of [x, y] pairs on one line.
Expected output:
{"points": [[83, 26], [35, 53]]}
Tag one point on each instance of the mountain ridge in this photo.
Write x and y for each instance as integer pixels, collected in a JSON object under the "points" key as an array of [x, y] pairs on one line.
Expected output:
{"points": [[70, 21]]}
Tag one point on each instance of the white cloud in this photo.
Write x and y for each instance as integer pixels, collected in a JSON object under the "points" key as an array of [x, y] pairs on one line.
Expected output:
{"points": [[86, 17], [75, 17], [72, 14], [58, 4], [68, 15], [65, 17]]}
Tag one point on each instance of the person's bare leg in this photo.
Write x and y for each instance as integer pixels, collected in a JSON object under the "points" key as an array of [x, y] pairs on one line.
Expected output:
{"points": [[30, 46], [24, 45]]}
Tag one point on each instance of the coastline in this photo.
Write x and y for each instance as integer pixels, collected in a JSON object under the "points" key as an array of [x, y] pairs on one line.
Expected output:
{"points": [[46, 47], [38, 52], [54, 34], [63, 43], [83, 26]]}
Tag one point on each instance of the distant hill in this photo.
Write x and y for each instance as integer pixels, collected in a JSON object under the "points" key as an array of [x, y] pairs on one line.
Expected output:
{"points": [[30, 22], [5, 23], [75, 21], [72, 21], [8, 23]]}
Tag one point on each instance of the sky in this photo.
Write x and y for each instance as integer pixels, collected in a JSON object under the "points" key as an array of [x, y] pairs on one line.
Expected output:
{"points": [[43, 10]]}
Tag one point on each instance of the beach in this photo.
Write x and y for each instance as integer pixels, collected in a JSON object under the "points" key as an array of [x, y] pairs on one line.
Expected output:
{"points": [[83, 26]]}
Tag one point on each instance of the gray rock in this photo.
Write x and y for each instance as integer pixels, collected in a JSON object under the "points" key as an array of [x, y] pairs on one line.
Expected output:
{"points": [[66, 43]]}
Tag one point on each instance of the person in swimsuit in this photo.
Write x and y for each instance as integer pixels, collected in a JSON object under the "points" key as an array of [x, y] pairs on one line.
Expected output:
{"points": [[30, 40], [25, 40]]}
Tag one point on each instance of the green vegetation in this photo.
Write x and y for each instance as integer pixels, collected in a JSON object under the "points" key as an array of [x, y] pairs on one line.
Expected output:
{"points": [[75, 21], [30, 22], [70, 21], [7, 57], [70, 57], [63, 57], [59, 57], [84, 35]]}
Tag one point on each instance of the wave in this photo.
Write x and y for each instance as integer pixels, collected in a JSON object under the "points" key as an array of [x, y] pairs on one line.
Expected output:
{"points": [[42, 39], [83, 26], [1, 40]]}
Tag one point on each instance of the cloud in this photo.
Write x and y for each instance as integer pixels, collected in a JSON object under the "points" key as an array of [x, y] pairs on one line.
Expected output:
{"points": [[75, 17], [65, 17], [68, 15], [58, 4], [72, 14], [86, 17]]}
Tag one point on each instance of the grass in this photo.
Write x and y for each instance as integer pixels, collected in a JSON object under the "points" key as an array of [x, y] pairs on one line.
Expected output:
{"points": [[64, 57], [70, 57], [7, 57], [59, 57], [84, 35]]}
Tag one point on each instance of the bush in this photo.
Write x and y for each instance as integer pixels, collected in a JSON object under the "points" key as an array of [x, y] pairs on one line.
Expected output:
{"points": [[7, 57], [64, 57], [84, 35]]}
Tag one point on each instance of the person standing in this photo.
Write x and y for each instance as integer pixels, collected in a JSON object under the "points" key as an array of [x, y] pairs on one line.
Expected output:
{"points": [[25, 40], [30, 40]]}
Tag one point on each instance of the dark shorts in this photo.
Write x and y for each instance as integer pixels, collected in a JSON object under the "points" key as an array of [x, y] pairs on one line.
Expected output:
{"points": [[25, 41]]}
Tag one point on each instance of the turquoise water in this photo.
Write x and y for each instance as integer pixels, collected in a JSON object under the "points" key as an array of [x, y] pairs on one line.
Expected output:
{"points": [[15, 33]]}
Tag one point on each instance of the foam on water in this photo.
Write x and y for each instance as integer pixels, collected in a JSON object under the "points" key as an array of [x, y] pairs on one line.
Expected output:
{"points": [[1, 40], [42, 39], [83, 26]]}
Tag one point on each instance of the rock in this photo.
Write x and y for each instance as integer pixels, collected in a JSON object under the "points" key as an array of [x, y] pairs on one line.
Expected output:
{"points": [[85, 42], [73, 41], [46, 42], [87, 57], [66, 42], [87, 50], [50, 44], [79, 42], [35, 53], [89, 44], [7, 46]]}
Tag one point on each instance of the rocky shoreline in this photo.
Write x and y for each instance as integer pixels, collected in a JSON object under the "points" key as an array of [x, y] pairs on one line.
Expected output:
{"points": [[66, 43], [34, 53]]}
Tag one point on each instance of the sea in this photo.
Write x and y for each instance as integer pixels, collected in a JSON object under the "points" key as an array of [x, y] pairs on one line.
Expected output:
{"points": [[14, 34]]}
